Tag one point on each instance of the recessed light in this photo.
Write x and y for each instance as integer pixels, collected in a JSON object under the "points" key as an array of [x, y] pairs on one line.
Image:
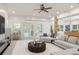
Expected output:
{"points": [[34, 14], [57, 12], [50, 16], [13, 12], [71, 6]]}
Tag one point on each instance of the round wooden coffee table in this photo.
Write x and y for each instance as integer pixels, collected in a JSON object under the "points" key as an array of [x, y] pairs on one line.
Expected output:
{"points": [[36, 46]]}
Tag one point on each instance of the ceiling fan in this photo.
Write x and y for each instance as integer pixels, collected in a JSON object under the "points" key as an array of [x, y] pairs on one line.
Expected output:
{"points": [[43, 8]]}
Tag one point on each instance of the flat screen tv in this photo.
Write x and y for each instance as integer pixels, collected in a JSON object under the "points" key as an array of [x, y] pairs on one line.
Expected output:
{"points": [[2, 25]]}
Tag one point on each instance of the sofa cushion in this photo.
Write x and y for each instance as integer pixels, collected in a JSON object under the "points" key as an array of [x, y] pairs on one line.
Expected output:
{"points": [[65, 45], [46, 39], [78, 41], [60, 37], [72, 40]]}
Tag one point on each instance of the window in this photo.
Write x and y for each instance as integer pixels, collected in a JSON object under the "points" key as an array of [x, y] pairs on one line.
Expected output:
{"points": [[67, 27], [60, 27], [78, 27], [17, 27], [51, 29], [74, 27], [39, 27]]}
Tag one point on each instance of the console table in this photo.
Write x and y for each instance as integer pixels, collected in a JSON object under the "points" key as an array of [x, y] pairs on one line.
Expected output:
{"points": [[75, 34]]}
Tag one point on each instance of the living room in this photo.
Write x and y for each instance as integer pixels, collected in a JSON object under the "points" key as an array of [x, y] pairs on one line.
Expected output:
{"points": [[34, 28]]}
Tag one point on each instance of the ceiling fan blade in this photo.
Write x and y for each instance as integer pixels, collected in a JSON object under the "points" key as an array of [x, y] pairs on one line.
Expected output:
{"points": [[45, 10], [40, 11], [48, 8], [36, 9]]}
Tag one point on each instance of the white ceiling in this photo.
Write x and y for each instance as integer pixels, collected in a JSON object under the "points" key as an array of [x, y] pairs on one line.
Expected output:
{"points": [[27, 9]]}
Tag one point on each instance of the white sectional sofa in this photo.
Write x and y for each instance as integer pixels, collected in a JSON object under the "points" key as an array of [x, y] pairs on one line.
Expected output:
{"points": [[65, 45], [4, 44], [68, 41], [47, 39], [70, 45]]}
